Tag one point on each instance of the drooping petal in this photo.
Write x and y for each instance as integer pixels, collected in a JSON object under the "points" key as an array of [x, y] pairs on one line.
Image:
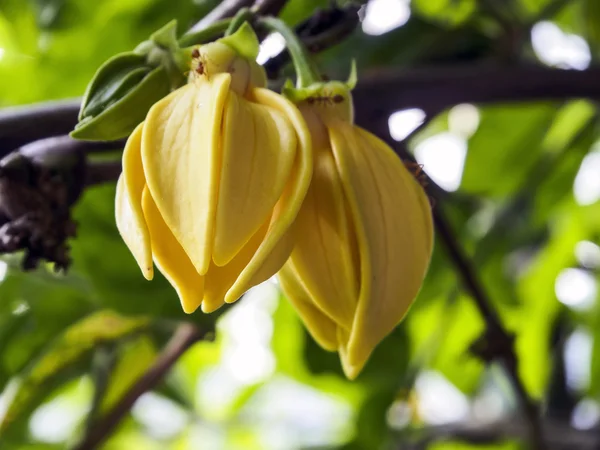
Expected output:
{"points": [[220, 279], [128, 205], [259, 147], [393, 232], [181, 157], [321, 327], [351, 371], [272, 250], [322, 255], [170, 258]]}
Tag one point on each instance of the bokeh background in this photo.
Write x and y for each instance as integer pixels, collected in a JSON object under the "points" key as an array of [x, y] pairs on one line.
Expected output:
{"points": [[520, 183]]}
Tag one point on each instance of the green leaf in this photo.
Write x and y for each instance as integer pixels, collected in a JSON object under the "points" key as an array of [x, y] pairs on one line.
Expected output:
{"points": [[62, 354], [110, 79], [505, 147], [451, 12], [442, 334], [134, 357], [122, 114]]}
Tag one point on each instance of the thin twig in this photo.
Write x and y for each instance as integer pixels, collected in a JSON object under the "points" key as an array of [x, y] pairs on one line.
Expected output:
{"points": [[269, 7], [183, 338], [497, 343], [324, 29]]}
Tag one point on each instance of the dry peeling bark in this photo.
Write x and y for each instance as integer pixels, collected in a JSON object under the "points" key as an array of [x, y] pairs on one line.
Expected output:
{"points": [[36, 194]]}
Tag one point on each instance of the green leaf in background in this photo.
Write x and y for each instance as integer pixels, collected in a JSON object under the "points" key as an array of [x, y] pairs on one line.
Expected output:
{"points": [[507, 141], [540, 306], [75, 343], [451, 12], [450, 445], [441, 337], [134, 357]]}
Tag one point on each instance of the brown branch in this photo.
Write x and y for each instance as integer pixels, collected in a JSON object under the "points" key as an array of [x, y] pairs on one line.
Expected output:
{"points": [[376, 96], [225, 9], [184, 337], [497, 343], [22, 124], [324, 29], [98, 172], [560, 435], [269, 7], [379, 94]]}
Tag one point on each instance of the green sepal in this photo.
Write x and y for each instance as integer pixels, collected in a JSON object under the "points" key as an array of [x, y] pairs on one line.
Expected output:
{"points": [[353, 77], [107, 78], [321, 88], [166, 37], [118, 119], [244, 41]]}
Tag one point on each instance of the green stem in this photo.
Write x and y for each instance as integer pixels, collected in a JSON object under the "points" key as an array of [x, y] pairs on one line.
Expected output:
{"points": [[205, 35], [305, 68], [242, 16]]}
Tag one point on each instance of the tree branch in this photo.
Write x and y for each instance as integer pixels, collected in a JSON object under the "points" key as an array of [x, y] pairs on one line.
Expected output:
{"points": [[184, 337], [98, 172], [560, 436], [22, 124], [379, 94], [225, 9], [324, 29], [497, 343]]}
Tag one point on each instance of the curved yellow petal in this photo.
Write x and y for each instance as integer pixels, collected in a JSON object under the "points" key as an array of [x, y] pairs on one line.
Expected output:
{"points": [[170, 258], [220, 279], [287, 208], [259, 146], [181, 157], [394, 234], [128, 205], [351, 371], [321, 327], [322, 255]]}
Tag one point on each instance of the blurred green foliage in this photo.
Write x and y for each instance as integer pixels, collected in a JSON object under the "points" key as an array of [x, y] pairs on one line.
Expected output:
{"points": [[101, 325]]}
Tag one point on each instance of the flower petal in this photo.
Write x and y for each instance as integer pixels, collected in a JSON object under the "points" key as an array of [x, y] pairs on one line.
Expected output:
{"points": [[321, 327], [259, 146], [220, 279], [322, 255], [128, 205], [170, 258], [287, 208], [394, 234], [181, 157], [351, 371]]}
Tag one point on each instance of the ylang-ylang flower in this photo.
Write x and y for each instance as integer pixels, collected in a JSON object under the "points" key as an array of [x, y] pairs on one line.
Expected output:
{"points": [[364, 232], [214, 177]]}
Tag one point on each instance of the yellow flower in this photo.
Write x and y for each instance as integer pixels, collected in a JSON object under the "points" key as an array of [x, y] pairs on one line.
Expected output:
{"points": [[214, 178], [365, 232]]}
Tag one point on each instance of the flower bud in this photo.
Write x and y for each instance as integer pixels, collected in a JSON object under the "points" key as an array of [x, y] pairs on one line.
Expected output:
{"points": [[364, 233], [213, 179]]}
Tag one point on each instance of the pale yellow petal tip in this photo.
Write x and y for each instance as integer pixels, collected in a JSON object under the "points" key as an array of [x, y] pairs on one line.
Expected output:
{"points": [[148, 273], [232, 296], [189, 303], [351, 371], [211, 306], [189, 308]]}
